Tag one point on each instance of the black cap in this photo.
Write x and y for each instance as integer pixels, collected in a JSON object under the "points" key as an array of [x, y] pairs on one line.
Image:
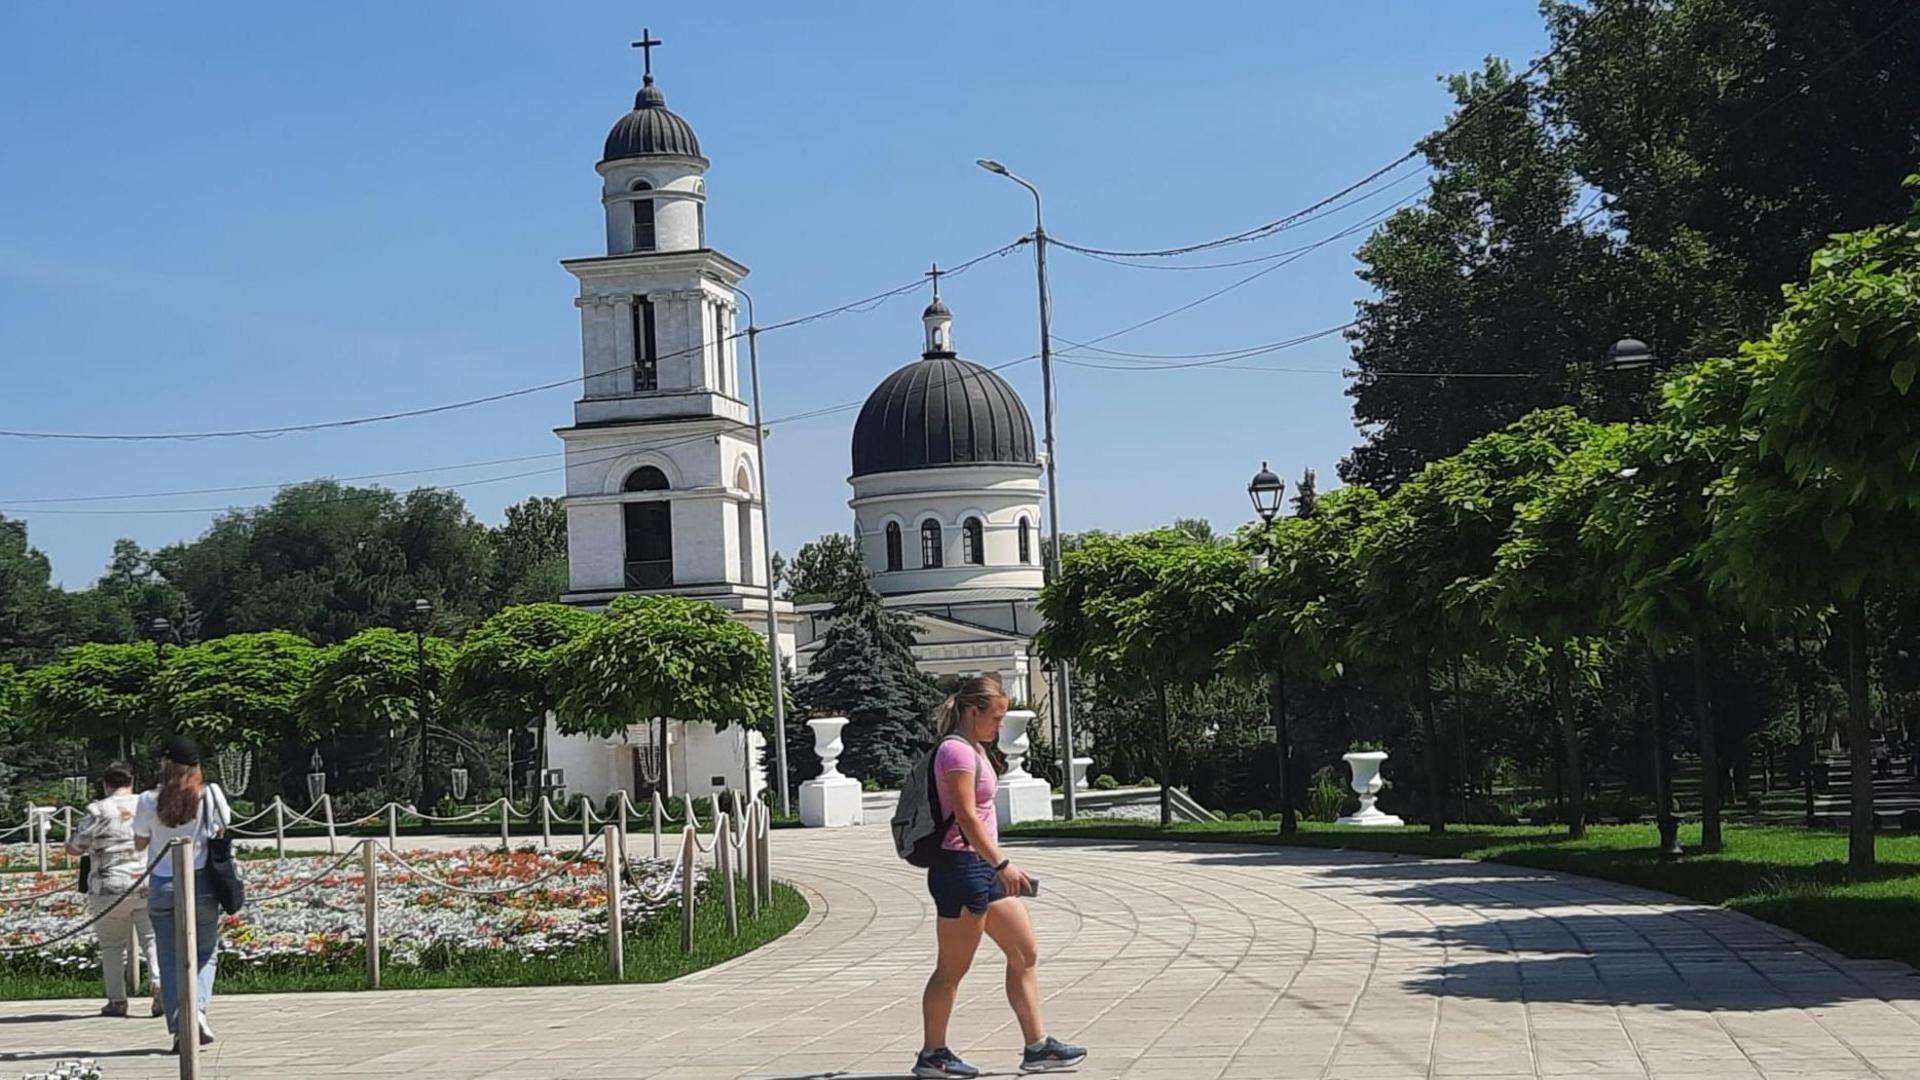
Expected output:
{"points": [[181, 751]]}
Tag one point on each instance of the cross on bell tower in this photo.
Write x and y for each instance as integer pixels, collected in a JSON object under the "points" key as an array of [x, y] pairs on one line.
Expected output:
{"points": [[645, 45], [938, 320]]}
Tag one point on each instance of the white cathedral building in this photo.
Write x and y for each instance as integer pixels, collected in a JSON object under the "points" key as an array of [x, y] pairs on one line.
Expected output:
{"points": [[662, 488]]}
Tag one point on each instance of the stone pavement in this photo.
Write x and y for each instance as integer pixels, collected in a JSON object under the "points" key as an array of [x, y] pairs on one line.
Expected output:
{"points": [[1181, 962]]}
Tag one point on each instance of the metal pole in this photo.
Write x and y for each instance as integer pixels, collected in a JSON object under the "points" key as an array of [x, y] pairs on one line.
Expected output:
{"points": [[1062, 683], [279, 828], [766, 559], [393, 826], [723, 854], [616, 938], [420, 703], [659, 812], [186, 973], [689, 852], [506, 829], [370, 875]]}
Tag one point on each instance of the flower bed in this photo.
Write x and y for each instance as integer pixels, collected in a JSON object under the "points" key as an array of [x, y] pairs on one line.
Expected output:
{"points": [[15, 858], [321, 928]]}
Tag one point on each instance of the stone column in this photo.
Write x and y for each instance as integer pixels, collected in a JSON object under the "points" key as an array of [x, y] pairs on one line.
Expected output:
{"points": [[621, 364]]}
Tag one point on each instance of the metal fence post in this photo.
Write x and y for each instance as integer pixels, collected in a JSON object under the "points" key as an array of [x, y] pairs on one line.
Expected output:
{"points": [[586, 821], [42, 821], [186, 973], [689, 855], [620, 810], [546, 824], [765, 844], [506, 814], [370, 869], [723, 853], [393, 826], [333, 840], [616, 933], [750, 847], [279, 828], [659, 812]]}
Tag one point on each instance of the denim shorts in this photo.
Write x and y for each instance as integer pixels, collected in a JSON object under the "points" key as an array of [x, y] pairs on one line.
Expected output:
{"points": [[962, 879]]}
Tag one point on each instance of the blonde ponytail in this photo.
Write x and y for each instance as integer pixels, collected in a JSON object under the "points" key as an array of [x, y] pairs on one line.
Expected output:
{"points": [[974, 692]]}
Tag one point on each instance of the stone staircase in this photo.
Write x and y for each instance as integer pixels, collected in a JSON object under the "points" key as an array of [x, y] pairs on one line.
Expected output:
{"points": [[1896, 791]]}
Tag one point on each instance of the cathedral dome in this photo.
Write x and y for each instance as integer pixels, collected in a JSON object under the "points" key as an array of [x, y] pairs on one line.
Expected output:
{"points": [[938, 411], [650, 129]]}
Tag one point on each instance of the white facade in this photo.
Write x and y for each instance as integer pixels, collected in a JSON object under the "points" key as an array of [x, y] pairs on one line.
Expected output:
{"points": [[662, 478]]}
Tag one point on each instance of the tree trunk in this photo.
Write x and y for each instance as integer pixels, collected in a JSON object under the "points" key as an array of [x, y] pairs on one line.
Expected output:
{"points": [[1662, 761], [1561, 684], [1859, 739], [1709, 750], [1284, 751], [1166, 792], [1460, 742], [1436, 783]]}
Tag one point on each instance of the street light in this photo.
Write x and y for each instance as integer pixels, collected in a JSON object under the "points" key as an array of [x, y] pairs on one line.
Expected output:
{"points": [[1629, 354], [459, 775], [422, 618], [1062, 689], [316, 778], [766, 568], [161, 631], [1266, 490]]}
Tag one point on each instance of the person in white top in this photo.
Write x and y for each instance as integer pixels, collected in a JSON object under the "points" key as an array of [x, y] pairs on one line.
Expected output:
{"points": [[105, 836], [183, 807]]}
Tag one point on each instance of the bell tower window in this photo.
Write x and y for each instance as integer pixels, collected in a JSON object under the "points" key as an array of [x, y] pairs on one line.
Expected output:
{"points": [[643, 233], [646, 356], [1026, 542], [649, 532]]}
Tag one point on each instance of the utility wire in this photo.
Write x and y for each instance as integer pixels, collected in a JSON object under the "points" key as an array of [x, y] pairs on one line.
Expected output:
{"points": [[864, 304]]}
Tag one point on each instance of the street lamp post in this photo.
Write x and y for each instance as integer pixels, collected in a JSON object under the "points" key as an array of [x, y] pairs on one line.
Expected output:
{"points": [[1266, 490], [766, 567], [1062, 688], [161, 631], [422, 618], [1632, 354]]}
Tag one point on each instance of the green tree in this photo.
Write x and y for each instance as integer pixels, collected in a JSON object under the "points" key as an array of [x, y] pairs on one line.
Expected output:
{"points": [[503, 676], [824, 569], [1306, 496], [529, 553], [239, 692], [368, 688], [664, 657], [97, 691], [1826, 495], [29, 630], [1144, 615], [1490, 275], [865, 671]]}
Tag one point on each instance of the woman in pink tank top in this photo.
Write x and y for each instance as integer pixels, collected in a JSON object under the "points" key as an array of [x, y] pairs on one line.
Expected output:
{"points": [[976, 889]]}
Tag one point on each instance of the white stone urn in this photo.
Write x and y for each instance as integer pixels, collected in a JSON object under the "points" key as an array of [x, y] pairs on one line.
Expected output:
{"points": [[1080, 766], [1367, 784], [1021, 796], [827, 743], [832, 799], [1015, 742]]}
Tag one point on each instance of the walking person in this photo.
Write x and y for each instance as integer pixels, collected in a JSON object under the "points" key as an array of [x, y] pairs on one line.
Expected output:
{"points": [[183, 807], [105, 837], [977, 889]]}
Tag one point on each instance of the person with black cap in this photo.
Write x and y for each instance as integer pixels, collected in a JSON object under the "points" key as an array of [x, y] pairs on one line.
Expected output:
{"points": [[105, 837], [184, 807]]}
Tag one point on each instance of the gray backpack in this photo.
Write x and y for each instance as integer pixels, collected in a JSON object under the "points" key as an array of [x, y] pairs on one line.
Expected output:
{"points": [[918, 825]]}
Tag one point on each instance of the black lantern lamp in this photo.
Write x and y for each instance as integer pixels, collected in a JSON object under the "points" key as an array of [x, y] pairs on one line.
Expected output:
{"points": [[1266, 490], [1629, 354]]}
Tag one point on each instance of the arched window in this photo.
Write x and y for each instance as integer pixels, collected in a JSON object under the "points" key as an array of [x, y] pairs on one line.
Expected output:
{"points": [[930, 557], [646, 478], [745, 483], [1026, 542], [973, 542], [896, 560], [643, 239], [649, 532]]}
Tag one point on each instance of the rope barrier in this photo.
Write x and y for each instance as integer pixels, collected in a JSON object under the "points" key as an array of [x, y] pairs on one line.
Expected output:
{"points": [[9, 950], [314, 880]]}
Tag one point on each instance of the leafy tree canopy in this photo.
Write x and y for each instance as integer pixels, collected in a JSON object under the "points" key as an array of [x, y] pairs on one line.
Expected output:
{"points": [[824, 569], [239, 692], [503, 675], [664, 656], [372, 681]]}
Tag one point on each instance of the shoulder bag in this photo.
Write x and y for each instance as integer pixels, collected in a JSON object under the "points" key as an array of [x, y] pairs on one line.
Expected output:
{"points": [[222, 874]]}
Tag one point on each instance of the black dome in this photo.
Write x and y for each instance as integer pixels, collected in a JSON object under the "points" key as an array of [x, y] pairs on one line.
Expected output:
{"points": [[651, 128], [941, 410]]}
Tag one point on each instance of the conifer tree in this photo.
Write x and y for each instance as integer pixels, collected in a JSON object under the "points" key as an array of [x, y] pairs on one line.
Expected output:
{"points": [[865, 672]]}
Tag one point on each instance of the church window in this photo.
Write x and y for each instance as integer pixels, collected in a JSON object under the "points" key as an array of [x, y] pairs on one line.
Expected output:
{"points": [[745, 483], [645, 478], [646, 357], [1026, 542], [700, 212], [930, 556], [973, 542], [649, 533], [896, 560], [643, 232]]}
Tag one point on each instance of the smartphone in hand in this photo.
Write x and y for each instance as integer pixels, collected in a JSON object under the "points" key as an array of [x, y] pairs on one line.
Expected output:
{"points": [[1032, 887]]}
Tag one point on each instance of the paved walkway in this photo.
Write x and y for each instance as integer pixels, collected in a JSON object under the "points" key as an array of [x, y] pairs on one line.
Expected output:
{"points": [[1186, 963]]}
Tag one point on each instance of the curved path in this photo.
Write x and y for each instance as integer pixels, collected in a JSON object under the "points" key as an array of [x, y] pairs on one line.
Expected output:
{"points": [[1199, 962]]}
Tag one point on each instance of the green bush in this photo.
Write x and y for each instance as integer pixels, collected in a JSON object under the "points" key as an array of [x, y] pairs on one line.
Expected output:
{"points": [[1238, 817], [1256, 815], [1105, 782], [1147, 781], [869, 784], [1328, 796]]}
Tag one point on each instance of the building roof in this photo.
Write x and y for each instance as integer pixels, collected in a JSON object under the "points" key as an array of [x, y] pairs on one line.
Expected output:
{"points": [[650, 129], [938, 411]]}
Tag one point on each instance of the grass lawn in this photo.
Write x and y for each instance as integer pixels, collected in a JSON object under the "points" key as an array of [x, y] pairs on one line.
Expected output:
{"points": [[1794, 877], [652, 955]]}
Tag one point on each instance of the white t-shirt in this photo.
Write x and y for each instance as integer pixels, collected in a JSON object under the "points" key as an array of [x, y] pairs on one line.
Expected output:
{"points": [[107, 836], [211, 821]]}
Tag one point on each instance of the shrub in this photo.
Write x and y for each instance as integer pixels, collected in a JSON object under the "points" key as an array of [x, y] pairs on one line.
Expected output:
{"points": [[869, 784], [1238, 816], [1327, 797], [1147, 781], [1105, 782], [1256, 815]]}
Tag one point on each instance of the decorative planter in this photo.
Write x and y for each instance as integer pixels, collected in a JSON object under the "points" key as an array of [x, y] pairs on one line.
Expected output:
{"points": [[1080, 767], [831, 799], [1021, 795], [1367, 784]]}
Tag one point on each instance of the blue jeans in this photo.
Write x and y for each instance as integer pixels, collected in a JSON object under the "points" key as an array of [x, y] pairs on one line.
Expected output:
{"points": [[206, 923]]}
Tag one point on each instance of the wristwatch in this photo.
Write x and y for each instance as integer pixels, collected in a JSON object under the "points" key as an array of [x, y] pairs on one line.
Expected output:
{"points": [[1004, 863]]}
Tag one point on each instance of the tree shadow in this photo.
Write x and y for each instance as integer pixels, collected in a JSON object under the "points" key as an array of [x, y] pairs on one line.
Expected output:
{"points": [[68, 1055]]}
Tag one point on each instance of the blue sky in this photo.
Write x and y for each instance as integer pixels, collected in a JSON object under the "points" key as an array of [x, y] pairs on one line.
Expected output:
{"points": [[232, 215]]}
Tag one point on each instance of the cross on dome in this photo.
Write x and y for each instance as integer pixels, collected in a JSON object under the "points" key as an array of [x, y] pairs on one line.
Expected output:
{"points": [[645, 45]]}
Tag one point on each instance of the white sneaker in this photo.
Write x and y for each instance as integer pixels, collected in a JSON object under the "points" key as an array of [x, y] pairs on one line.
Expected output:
{"points": [[206, 1030]]}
